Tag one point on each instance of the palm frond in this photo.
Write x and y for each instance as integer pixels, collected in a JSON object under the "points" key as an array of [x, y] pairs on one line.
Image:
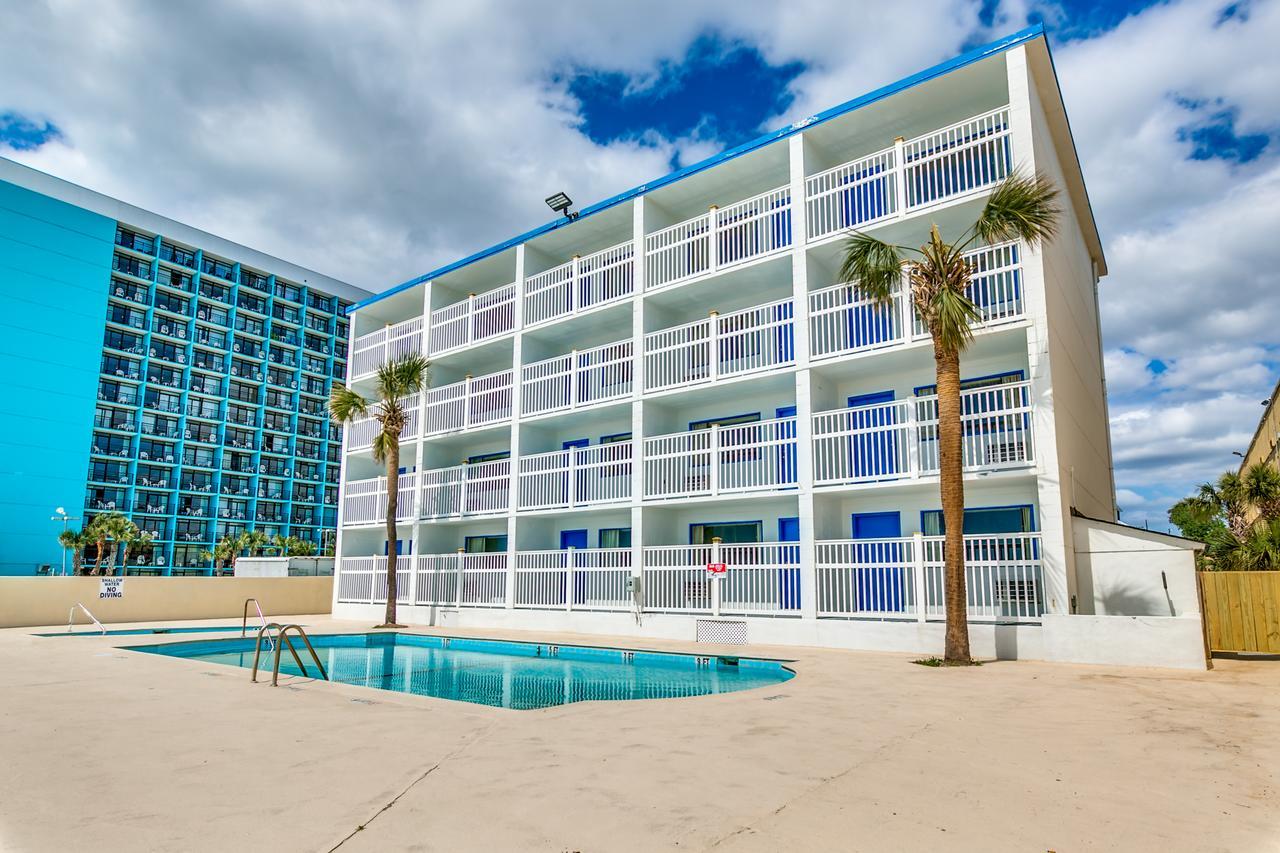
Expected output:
{"points": [[402, 377], [1021, 207], [874, 265], [346, 405], [382, 445], [951, 317]]}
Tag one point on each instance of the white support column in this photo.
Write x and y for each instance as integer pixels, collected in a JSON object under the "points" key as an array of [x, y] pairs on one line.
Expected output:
{"points": [[637, 391], [1053, 506], [804, 402], [517, 405]]}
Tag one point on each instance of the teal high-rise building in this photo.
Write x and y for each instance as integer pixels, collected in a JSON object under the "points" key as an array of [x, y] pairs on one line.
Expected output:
{"points": [[153, 369]]}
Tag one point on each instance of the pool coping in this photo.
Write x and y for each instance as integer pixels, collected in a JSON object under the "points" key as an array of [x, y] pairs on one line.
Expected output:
{"points": [[291, 681]]}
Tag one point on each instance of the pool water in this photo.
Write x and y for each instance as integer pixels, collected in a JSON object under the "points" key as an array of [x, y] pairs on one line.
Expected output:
{"points": [[81, 631], [503, 674]]}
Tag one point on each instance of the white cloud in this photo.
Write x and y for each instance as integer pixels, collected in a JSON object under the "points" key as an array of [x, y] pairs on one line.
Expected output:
{"points": [[376, 142]]}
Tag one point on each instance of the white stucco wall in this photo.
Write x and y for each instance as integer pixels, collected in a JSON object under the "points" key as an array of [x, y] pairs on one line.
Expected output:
{"points": [[1129, 572], [1161, 641]]}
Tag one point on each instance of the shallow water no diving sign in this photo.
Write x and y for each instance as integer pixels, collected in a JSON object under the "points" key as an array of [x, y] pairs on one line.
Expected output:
{"points": [[111, 588]]}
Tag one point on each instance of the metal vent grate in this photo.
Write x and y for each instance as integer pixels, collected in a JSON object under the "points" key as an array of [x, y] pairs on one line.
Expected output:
{"points": [[720, 631]]}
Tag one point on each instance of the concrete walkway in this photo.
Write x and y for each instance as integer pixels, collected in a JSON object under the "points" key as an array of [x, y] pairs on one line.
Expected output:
{"points": [[108, 750]]}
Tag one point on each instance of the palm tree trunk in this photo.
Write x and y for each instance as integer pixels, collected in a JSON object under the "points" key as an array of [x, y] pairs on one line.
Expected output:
{"points": [[951, 486], [393, 499]]}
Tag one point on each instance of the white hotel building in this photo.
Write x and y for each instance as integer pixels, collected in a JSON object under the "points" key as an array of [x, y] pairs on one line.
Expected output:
{"points": [[681, 363]]}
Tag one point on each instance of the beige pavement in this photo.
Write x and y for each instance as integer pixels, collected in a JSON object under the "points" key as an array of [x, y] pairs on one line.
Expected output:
{"points": [[105, 750]]}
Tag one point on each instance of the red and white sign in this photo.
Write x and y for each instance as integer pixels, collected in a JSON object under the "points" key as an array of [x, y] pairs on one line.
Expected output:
{"points": [[717, 570]]}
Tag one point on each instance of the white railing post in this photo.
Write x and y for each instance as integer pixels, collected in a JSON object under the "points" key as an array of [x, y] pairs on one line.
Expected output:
{"points": [[573, 379], [572, 491], [573, 284], [913, 439], [713, 464], [463, 476], [457, 593], [466, 401], [713, 345], [906, 308], [715, 578], [900, 177], [413, 579], [568, 579], [471, 318], [917, 570], [713, 251]]}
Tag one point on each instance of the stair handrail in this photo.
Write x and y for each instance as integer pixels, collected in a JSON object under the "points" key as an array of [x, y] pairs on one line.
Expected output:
{"points": [[71, 616]]}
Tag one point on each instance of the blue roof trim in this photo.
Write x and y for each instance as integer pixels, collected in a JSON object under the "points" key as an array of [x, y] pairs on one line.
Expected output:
{"points": [[967, 58]]}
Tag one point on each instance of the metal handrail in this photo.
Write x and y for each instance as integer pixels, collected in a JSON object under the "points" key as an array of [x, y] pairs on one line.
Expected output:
{"points": [[244, 620], [282, 639], [71, 616]]}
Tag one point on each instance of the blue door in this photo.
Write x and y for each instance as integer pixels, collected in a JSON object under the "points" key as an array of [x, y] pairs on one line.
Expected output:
{"points": [[575, 539], [879, 578], [787, 472], [789, 579], [874, 448]]}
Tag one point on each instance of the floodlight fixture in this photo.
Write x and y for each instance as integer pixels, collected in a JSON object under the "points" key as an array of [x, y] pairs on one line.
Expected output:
{"points": [[560, 203]]}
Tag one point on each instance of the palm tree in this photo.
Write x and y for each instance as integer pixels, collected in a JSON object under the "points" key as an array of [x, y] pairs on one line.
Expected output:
{"points": [[252, 541], [223, 553], [138, 542], [120, 529], [292, 546], [938, 275], [75, 541], [1239, 498], [100, 530], [396, 380], [303, 548]]}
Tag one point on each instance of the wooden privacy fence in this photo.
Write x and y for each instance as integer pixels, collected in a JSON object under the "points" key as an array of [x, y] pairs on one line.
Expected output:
{"points": [[1242, 611]]}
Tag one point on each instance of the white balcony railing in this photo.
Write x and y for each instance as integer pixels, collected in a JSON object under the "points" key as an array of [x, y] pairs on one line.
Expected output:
{"points": [[573, 579], [884, 579], [460, 580], [577, 476], [361, 433], [719, 238], [576, 379], [371, 351], [580, 284], [902, 578], [363, 580], [899, 439], [966, 157], [721, 460], [763, 579], [472, 320], [365, 501], [470, 403], [842, 320], [723, 345], [480, 488]]}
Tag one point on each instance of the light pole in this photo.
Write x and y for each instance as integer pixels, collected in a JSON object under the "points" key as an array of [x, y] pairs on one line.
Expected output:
{"points": [[61, 515]]}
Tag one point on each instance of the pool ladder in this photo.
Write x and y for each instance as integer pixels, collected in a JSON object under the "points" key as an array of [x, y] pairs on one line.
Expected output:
{"points": [[244, 619], [282, 639], [71, 617]]}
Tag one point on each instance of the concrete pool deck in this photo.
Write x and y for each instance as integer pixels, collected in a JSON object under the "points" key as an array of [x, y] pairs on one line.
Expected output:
{"points": [[113, 750]]}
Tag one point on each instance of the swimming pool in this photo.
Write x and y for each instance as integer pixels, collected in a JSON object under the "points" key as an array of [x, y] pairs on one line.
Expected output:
{"points": [[120, 632], [522, 676]]}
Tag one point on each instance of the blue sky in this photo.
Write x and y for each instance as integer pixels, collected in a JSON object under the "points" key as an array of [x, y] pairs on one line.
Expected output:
{"points": [[376, 145]]}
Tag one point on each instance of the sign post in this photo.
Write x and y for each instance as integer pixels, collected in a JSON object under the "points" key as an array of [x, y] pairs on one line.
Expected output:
{"points": [[716, 570]]}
